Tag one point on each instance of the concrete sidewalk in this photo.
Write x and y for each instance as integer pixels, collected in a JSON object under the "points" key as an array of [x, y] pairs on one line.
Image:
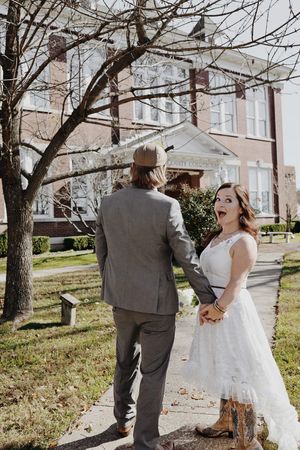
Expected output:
{"points": [[183, 407]]}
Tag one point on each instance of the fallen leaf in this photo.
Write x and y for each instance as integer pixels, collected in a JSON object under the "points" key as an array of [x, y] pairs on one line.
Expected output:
{"points": [[175, 403], [211, 404], [197, 395], [89, 428], [164, 411], [183, 391]]}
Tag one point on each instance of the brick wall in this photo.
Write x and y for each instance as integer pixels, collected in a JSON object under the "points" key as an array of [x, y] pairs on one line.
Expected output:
{"points": [[59, 228]]}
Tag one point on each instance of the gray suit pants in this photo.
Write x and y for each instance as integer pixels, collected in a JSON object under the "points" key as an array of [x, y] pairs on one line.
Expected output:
{"points": [[144, 342]]}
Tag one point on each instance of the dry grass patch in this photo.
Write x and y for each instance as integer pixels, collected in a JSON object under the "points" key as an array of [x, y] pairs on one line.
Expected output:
{"points": [[51, 373]]}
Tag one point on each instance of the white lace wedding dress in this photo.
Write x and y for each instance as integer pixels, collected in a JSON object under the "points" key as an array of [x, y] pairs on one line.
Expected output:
{"points": [[233, 359]]}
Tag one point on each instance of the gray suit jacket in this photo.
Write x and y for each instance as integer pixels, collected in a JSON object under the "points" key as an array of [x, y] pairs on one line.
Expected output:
{"points": [[137, 233]]}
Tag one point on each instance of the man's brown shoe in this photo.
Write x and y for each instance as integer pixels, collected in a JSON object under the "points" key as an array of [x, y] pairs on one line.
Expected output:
{"points": [[166, 446], [125, 431]]}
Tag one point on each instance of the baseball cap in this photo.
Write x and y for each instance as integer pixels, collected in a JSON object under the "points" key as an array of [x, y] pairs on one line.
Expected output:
{"points": [[150, 155]]}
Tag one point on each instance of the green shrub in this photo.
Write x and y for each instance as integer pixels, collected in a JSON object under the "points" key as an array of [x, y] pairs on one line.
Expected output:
{"points": [[273, 227], [198, 213], [3, 244], [76, 243], [40, 244], [91, 242], [296, 227]]}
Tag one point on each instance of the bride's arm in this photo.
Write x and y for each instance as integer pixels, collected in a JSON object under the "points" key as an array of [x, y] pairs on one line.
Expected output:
{"points": [[243, 253]]}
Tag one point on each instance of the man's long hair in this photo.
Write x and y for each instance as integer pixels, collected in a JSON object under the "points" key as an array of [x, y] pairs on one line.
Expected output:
{"points": [[148, 177]]}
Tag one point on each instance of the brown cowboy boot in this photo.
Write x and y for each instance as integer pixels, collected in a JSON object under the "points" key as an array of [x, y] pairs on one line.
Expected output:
{"points": [[244, 426], [223, 424]]}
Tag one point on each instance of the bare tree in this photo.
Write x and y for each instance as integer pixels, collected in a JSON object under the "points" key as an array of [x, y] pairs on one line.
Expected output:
{"points": [[38, 36]]}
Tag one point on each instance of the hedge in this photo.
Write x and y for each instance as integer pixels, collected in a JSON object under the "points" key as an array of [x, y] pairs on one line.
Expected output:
{"points": [[296, 227], [40, 244], [79, 242], [280, 227], [273, 227], [3, 244]]}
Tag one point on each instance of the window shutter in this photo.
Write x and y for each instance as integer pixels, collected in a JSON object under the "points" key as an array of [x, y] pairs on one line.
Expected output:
{"points": [[57, 43], [202, 77], [240, 90]]}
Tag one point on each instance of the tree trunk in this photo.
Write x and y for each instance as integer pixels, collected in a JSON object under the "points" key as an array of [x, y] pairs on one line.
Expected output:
{"points": [[18, 289]]}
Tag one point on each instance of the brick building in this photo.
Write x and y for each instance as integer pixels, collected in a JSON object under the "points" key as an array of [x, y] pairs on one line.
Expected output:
{"points": [[234, 134]]}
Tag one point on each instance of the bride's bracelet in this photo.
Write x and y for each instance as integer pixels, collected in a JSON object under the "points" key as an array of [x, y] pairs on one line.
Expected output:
{"points": [[219, 308]]}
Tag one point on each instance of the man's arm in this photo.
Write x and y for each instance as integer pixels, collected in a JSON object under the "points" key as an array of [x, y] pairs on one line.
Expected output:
{"points": [[100, 242], [186, 256]]}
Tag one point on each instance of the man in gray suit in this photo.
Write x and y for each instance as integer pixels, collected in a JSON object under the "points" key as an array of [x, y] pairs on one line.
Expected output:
{"points": [[138, 231]]}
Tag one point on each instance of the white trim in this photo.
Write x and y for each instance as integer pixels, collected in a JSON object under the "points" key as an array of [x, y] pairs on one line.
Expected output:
{"points": [[40, 109], [242, 64], [264, 215], [167, 136], [223, 133], [261, 164], [260, 138], [235, 162], [63, 219]]}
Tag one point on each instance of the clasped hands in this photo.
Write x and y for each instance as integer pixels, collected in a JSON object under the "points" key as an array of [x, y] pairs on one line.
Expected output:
{"points": [[209, 314]]}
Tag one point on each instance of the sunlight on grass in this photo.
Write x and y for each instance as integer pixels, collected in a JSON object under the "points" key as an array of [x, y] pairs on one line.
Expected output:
{"points": [[287, 348], [54, 260], [51, 373], [277, 239]]}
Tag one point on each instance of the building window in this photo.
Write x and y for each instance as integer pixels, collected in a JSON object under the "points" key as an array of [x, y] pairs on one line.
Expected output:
{"points": [[233, 174], [159, 77], [41, 205], [83, 65], [80, 195], [257, 112], [38, 95], [222, 103], [84, 189], [260, 189]]}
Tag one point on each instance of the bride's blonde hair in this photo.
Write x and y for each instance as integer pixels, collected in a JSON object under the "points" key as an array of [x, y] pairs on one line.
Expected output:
{"points": [[247, 217]]}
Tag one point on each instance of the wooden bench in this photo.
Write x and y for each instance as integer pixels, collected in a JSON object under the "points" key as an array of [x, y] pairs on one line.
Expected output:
{"points": [[68, 309], [288, 235]]}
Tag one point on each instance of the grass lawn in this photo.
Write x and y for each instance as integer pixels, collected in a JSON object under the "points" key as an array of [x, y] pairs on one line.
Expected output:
{"points": [[58, 259], [280, 239], [51, 373], [287, 348]]}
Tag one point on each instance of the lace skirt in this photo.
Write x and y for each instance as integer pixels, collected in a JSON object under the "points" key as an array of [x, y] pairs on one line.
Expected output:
{"points": [[233, 359]]}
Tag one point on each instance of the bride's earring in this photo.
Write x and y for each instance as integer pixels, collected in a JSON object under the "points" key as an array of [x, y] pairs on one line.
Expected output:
{"points": [[242, 219]]}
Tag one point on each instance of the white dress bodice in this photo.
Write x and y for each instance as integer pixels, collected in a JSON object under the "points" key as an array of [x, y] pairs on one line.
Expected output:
{"points": [[216, 260]]}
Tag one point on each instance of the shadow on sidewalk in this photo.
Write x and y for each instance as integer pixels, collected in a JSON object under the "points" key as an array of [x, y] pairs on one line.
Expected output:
{"points": [[109, 435], [185, 438]]}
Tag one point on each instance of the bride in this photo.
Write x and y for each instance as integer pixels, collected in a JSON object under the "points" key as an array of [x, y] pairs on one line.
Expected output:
{"points": [[230, 356]]}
